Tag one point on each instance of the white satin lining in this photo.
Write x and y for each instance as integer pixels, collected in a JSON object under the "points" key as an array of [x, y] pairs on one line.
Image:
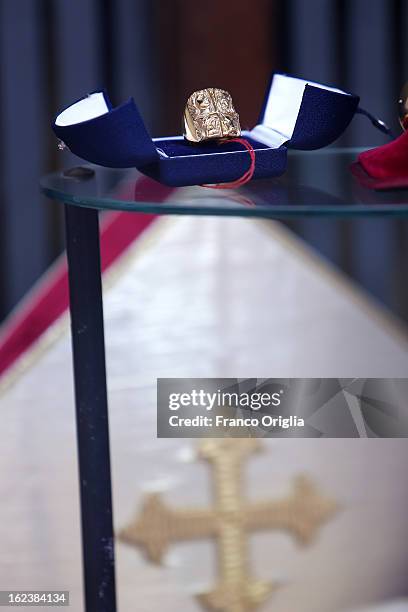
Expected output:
{"points": [[268, 136], [282, 109], [90, 107]]}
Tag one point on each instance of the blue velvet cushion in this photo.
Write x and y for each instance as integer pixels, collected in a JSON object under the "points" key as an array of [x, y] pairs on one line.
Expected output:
{"points": [[119, 138], [196, 165]]}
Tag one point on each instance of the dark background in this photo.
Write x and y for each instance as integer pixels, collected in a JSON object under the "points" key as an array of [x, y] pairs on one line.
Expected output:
{"points": [[54, 51]]}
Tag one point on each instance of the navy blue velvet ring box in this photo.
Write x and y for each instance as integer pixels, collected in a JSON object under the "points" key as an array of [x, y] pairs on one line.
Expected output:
{"points": [[297, 114]]}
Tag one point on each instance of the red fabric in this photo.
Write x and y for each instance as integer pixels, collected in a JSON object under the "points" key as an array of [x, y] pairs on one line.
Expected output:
{"points": [[50, 298], [387, 165]]}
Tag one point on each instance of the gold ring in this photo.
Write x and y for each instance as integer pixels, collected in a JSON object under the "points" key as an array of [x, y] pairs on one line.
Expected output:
{"points": [[210, 114], [403, 107]]}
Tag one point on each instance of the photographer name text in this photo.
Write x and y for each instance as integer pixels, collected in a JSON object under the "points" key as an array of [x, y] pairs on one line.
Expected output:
{"points": [[220, 421]]}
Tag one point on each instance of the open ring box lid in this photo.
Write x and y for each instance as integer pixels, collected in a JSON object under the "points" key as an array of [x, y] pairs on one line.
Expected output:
{"points": [[296, 114]]}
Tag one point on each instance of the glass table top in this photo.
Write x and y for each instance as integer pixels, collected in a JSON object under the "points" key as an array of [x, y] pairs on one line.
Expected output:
{"points": [[316, 183]]}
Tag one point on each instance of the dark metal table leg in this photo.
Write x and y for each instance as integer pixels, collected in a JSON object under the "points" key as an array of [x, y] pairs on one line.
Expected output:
{"points": [[82, 234]]}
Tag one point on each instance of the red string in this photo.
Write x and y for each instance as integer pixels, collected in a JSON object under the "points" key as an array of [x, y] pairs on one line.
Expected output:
{"points": [[246, 177]]}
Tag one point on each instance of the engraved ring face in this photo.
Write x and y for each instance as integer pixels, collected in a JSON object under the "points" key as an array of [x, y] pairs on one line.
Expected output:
{"points": [[210, 114]]}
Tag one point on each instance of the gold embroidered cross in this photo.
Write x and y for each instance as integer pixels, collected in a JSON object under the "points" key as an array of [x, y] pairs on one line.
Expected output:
{"points": [[229, 521]]}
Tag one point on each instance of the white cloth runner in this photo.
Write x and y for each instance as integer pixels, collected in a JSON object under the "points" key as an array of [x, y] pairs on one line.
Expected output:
{"points": [[211, 297]]}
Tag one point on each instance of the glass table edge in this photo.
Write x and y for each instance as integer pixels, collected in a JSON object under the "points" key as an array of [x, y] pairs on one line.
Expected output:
{"points": [[278, 212], [274, 211]]}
